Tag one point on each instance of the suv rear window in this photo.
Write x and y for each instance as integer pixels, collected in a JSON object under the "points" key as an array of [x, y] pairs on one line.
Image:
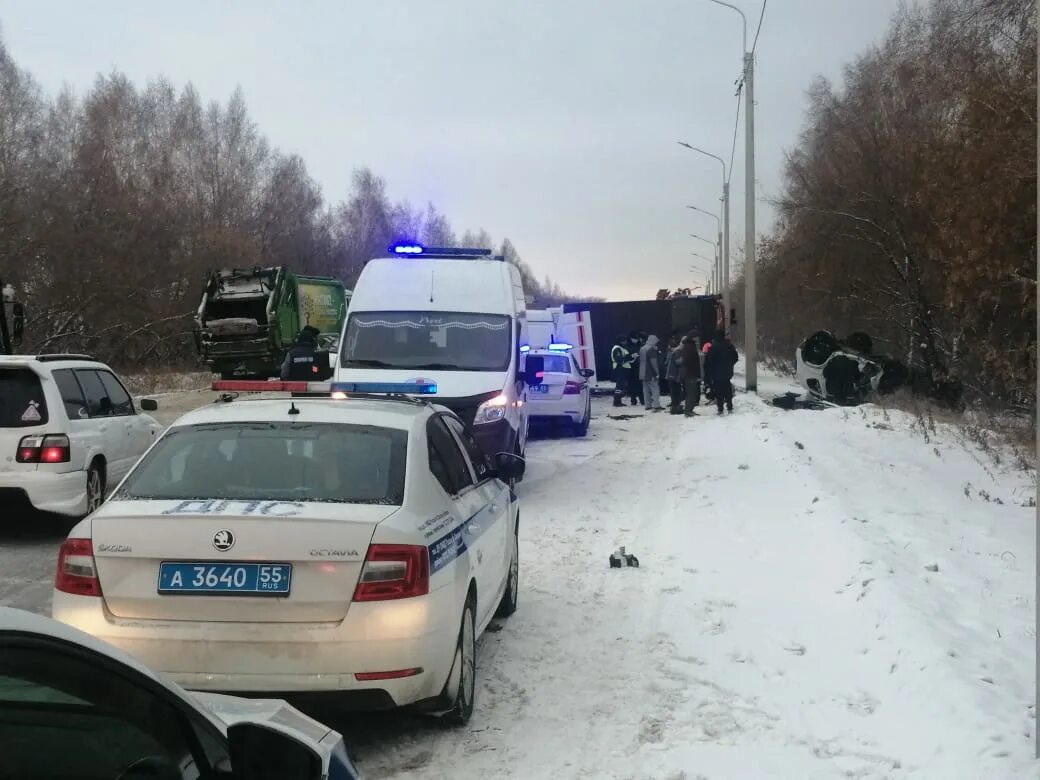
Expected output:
{"points": [[22, 404]]}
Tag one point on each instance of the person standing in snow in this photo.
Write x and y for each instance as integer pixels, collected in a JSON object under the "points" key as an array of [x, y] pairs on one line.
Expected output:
{"points": [[635, 386], [691, 373], [621, 361], [650, 373], [673, 373], [718, 370]]}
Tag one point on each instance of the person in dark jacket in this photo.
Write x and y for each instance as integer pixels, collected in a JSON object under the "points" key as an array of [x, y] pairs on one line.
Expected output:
{"points": [[621, 362], [302, 361], [691, 373], [635, 384], [673, 374], [718, 370]]}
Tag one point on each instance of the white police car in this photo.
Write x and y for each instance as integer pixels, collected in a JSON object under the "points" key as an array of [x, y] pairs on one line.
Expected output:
{"points": [[357, 544], [563, 392], [72, 706]]}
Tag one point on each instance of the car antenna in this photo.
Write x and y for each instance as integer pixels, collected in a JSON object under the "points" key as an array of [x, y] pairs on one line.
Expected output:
{"points": [[292, 408]]}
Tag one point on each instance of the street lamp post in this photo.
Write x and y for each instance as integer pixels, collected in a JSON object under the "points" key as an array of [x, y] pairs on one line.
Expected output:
{"points": [[750, 320], [717, 264], [718, 223], [713, 265], [724, 230]]}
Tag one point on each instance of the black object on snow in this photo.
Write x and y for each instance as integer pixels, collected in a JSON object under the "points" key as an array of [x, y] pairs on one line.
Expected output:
{"points": [[619, 559]]}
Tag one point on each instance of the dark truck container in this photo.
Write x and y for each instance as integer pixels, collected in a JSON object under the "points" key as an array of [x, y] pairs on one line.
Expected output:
{"points": [[701, 313], [249, 318]]}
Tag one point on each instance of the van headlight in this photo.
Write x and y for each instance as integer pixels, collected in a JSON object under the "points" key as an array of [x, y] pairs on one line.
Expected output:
{"points": [[492, 410]]}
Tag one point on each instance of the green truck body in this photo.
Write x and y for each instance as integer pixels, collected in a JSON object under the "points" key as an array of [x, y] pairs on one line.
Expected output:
{"points": [[249, 318]]}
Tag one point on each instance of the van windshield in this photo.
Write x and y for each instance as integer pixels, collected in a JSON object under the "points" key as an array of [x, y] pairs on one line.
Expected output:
{"points": [[436, 341]]}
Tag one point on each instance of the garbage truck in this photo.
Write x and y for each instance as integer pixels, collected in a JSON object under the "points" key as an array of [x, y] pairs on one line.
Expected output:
{"points": [[249, 317]]}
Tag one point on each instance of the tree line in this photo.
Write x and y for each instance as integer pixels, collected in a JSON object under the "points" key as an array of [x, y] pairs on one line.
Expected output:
{"points": [[115, 204], [908, 208]]}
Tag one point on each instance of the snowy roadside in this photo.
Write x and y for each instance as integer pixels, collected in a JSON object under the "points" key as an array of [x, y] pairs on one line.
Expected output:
{"points": [[785, 621], [823, 594]]}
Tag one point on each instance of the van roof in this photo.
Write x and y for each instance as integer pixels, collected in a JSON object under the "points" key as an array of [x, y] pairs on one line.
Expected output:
{"points": [[435, 284]]}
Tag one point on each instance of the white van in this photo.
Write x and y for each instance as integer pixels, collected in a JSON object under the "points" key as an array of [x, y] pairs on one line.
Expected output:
{"points": [[450, 318]]}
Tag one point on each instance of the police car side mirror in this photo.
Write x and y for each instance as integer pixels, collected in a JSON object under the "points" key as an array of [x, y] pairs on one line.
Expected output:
{"points": [[262, 753], [509, 466], [732, 316], [588, 373]]}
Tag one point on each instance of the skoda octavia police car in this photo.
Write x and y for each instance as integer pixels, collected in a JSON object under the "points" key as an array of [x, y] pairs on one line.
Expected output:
{"points": [[353, 544], [563, 395]]}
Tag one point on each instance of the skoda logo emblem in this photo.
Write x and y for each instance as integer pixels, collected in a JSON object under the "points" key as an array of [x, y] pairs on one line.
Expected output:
{"points": [[223, 540]]}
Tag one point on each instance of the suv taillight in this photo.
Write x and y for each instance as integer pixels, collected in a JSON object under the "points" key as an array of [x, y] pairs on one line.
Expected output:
{"points": [[53, 448], [77, 572], [394, 571], [572, 388]]}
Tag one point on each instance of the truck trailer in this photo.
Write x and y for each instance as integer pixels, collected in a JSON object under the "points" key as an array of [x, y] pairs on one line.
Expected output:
{"points": [[702, 314]]}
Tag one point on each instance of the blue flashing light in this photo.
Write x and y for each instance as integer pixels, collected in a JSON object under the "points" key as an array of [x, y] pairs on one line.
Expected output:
{"points": [[406, 249], [525, 348], [560, 347], [381, 388]]}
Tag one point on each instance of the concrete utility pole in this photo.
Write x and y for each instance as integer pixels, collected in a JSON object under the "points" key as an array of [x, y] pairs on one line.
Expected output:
{"points": [[750, 320]]}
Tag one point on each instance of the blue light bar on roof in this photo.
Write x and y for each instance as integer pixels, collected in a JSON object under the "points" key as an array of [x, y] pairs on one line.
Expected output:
{"points": [[383, 388], [560, 347], [410, 249]]}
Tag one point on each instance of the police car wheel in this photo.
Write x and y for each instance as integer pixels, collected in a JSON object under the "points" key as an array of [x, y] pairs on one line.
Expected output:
{"points": [[510, 597], [582, 428], [457, 696]]}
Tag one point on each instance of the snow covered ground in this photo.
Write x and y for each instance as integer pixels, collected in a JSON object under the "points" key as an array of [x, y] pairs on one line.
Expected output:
{"points": [[822, 594]]}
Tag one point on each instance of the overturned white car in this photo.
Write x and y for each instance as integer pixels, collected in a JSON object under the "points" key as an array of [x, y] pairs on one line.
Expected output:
{"points": [[845, 372]]}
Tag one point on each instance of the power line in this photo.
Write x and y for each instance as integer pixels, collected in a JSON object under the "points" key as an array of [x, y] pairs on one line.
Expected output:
{"points": [[736, 126], [761, 16]]}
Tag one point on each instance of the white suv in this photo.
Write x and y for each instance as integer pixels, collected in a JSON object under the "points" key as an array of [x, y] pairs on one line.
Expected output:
{"points": [[68, 430]]}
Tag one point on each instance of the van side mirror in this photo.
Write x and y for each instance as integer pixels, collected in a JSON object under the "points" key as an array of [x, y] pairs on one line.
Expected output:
{"points": [[509, 466], [149, 404], [733, 316], [534, 370], [262, 753], [18, 326]]}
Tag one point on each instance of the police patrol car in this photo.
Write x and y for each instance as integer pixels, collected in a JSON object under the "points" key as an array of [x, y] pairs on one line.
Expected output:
{"points": [[352, 543]]}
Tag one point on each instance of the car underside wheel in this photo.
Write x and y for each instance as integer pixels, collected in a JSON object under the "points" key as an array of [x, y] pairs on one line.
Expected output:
{"points": [[95, 486], [456, 699], [507, 606], [582, 428]]}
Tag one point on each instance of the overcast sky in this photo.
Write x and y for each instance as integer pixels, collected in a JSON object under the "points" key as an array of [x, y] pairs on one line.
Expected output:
{"points": [[552, 122]]}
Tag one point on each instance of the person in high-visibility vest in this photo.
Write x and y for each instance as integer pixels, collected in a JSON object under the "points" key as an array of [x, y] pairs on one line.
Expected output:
{"points": [[621, 362]]}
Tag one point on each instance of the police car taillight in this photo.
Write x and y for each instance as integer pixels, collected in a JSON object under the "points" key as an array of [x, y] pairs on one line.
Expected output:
{"points": [[394, 571], [77, 572]]}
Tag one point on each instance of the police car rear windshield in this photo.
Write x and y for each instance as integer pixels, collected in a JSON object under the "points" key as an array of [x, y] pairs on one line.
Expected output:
{"points": [[432, 341], [277, 461]]}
